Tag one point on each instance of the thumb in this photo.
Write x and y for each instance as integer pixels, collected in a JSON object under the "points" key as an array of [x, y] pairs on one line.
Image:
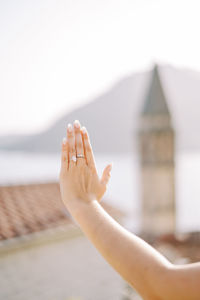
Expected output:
{"points": [[106, 174]]}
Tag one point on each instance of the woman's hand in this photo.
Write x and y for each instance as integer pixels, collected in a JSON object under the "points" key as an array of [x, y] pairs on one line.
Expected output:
{"points": [[79, 181]]}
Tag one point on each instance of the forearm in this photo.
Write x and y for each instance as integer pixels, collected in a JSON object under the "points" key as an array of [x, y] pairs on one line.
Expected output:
{"points": [[135, 260]]}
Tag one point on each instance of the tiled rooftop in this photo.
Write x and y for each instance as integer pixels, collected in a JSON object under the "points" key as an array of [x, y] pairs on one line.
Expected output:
{"points": [[26, 209], [186, 244]]}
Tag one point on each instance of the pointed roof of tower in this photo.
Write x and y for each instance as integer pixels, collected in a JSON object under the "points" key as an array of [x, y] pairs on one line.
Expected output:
{"points": [[155, 102]]}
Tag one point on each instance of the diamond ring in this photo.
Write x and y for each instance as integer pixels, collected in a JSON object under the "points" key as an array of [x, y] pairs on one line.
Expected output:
{"points": [[73, 158], [80, 156]]}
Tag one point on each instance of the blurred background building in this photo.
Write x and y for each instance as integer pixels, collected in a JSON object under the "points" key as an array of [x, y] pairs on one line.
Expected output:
{"points": [[157, 152]]}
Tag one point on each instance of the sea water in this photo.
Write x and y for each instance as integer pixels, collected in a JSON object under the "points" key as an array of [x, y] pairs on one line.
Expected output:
{"points": [[124, 186]]}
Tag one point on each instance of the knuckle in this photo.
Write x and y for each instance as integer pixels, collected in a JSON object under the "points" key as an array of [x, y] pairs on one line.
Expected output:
{"points": [[87, 147], [72, 150], [79, 144], [81, 164], [64, 158], [70, 138], [70, 134], [72, 165], [77, 132], [86, 137], [61, 174]]}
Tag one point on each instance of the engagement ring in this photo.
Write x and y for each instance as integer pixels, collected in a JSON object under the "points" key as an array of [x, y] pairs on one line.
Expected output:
{"points": [[73, 158], [80, 156]]}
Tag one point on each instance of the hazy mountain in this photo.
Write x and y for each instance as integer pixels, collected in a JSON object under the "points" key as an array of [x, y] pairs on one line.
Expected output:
{"points": [[112, 118]]}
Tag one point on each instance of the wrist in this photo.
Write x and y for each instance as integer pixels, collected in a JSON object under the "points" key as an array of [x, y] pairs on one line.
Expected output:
{"points": [[79, 206]]}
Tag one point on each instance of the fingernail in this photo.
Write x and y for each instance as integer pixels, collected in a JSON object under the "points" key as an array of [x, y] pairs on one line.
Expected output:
{"points": [[69, 127], [77, 124], [83, 129], [110, 166], [64, 141]]}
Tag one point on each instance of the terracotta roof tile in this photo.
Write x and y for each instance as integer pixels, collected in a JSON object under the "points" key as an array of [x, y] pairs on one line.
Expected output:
{"points": [[186, 244], [26, 209]]}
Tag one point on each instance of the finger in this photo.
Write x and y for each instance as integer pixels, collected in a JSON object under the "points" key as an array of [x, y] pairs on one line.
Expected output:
{"points": [[106, 174], [71, 146], [64, 155], [88, 149], [79, 143]]}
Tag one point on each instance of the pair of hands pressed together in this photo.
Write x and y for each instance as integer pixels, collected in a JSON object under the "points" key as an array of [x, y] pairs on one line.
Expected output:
{"points": [[79, 180]]}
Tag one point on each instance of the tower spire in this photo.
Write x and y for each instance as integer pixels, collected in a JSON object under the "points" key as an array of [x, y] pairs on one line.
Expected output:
{"points": [[155, 102]]}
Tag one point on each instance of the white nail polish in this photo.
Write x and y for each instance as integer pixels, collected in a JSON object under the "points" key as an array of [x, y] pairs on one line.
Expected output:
{"points": [[69, 127], [83, 129], [77, 124], [110, 168], [64, 141]]}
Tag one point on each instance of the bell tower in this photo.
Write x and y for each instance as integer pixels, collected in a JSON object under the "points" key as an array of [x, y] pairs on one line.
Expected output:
{"points": [[157, 149]]}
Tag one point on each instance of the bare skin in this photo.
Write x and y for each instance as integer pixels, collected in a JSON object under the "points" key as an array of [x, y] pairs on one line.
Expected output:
{"points": [[144, 268]]}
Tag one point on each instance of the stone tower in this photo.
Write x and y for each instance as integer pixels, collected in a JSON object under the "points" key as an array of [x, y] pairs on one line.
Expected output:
{"points": [[157, 149]]}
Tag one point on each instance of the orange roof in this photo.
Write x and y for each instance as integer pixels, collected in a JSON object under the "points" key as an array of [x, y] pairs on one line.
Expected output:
{"points": [[26, 209]]}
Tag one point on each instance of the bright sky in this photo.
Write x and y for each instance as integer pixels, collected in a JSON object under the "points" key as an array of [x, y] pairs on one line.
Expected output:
{"points": [[57, 54]]}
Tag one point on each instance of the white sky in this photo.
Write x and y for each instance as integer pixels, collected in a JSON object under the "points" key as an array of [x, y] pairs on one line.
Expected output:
{"points": [[56, 54]]}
